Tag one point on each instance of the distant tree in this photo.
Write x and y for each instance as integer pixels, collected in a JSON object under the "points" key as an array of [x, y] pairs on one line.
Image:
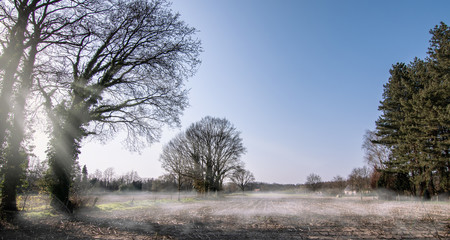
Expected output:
{"points": [[359, 179], [130, 177], [207, 152], [241, 177], [313, 182], [108, 176], [339, 183], [374, 178], [164, 183], [34, 180], [376, 154], [35, 175], [175, 161], [217, 148], [97, 174], [84, 173]]}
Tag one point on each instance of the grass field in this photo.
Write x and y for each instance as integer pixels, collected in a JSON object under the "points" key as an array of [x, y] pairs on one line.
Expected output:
{"points": [[253, 216]]}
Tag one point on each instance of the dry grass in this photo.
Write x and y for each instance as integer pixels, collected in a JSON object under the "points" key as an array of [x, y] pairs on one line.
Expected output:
{"points": [[256, 216]]}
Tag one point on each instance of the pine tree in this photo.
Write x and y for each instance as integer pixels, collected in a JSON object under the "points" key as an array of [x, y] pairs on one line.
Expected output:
{"points": [[415, 119]]}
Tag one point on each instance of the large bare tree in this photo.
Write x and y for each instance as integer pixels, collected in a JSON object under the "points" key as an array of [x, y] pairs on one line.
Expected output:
{"points": [[176, 161], [29, 28], [206, 152], [126, 71]]}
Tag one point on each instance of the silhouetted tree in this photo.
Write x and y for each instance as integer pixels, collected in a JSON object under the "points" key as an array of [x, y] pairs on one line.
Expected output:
{"points": [[242, 177], [126, 71], [313, 182], [130, 177], [175, 161], [339, 183], [108, 176], [29, 28], [207, 151], [97, 174], [359, 179], [84, 173]]}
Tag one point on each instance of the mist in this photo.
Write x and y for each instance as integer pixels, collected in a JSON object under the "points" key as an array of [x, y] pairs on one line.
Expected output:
{"points": [[262, 215]]}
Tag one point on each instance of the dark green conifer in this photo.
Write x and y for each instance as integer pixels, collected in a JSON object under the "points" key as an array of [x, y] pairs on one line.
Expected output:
{"points": [[415, 120]]}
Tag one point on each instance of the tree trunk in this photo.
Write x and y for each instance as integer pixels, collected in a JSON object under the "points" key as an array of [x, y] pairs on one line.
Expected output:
{"points": [[61, 182], [9, 193], [179, 186], [9, 62], [16, 159], [209, 179], [62, 155]]}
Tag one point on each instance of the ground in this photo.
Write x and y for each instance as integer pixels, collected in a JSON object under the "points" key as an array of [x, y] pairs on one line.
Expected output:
{"points": [[254, 216]]}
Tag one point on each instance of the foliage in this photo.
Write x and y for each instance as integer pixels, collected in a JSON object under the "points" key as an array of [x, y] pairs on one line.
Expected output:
{"points": [[415, 120]]}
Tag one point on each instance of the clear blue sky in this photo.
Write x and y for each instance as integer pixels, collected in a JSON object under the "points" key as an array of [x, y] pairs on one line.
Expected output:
{"points": [[301, 80]]}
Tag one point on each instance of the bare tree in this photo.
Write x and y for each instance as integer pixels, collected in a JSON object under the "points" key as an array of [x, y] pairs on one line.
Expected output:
{"points": [[30, 26], [376, 155], [339, 183], [15, 19], [97, 175], [206, 152], [35, 174], [359, 179], [175, 160], [126, 72], [313, 182], [130, 177], [242, 177], [219, 149], [108, 175]]}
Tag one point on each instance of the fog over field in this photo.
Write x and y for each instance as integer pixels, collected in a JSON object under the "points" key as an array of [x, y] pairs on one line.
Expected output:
{"points": [[241, 216]]}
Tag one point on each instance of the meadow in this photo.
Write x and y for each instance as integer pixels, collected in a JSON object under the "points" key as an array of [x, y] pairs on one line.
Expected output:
{"points": [[239, 216]]}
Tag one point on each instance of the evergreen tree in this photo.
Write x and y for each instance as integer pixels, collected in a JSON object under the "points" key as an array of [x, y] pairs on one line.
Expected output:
{"points": [[415, 119], [84, 173]]}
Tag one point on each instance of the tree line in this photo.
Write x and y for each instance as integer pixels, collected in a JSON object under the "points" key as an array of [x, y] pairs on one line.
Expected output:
{"points": [[410, 147], [92, 68], [359, 180], [86, 183]]}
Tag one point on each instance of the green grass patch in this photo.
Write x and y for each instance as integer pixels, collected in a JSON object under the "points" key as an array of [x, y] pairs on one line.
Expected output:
{"points": [[120, 206], [39, 214], [188, 200], [130, 205]]}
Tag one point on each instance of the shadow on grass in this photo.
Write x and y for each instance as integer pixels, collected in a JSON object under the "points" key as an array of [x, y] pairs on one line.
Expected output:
{"points": [[80, 226]]}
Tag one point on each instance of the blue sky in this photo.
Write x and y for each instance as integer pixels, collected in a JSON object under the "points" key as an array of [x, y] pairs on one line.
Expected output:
{"points": [[301, 80]]}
